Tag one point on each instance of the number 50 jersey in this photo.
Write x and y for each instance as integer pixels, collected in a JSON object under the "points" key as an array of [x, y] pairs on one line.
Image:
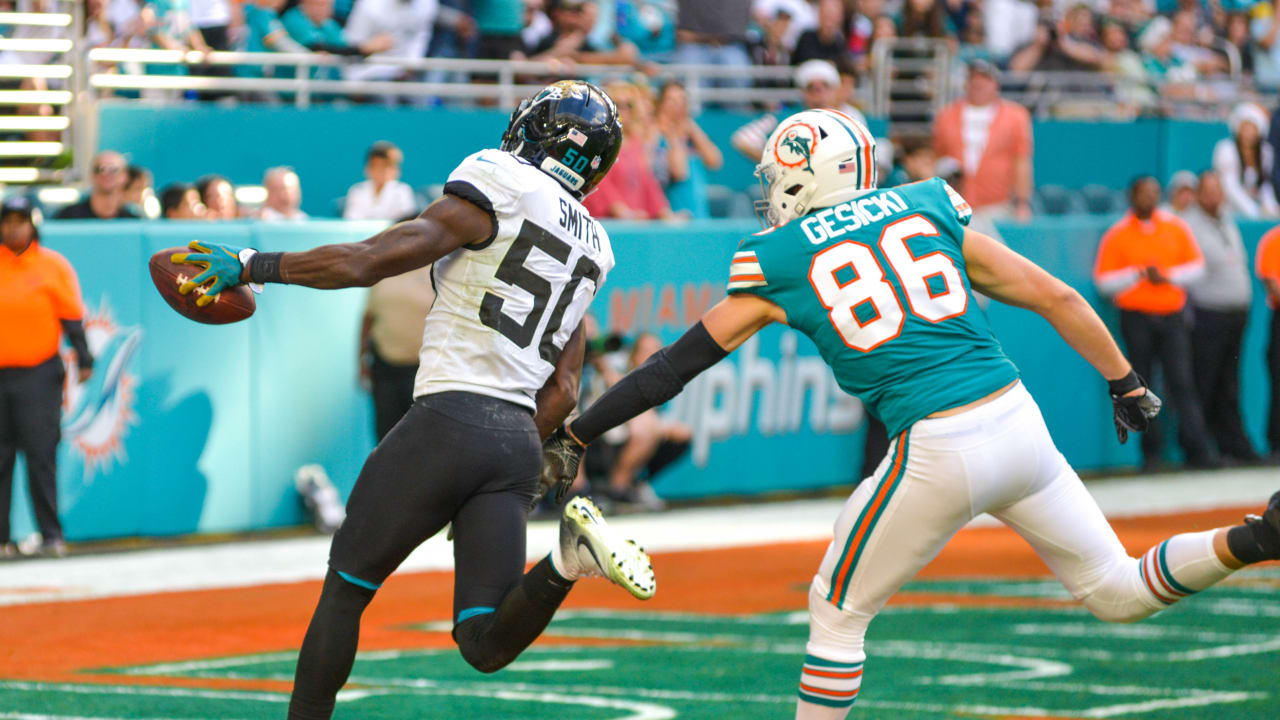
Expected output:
{"points": [[879, 284], [506, 306]]}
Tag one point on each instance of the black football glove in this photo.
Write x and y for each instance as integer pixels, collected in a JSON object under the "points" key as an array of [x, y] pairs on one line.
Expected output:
{"points": [[1134, 412], [561, 455]]}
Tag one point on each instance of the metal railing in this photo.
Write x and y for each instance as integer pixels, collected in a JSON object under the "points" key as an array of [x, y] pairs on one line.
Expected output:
{"points": [[53, 82], [508, 81]]}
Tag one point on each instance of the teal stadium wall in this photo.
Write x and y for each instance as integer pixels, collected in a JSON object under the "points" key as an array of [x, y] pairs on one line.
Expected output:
{"points": [[191, 428]]}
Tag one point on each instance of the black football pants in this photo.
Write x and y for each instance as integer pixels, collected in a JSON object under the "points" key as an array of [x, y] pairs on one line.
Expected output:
{"points": [[461, 457], [1216, 340], [30, 421], [1166, 339]]}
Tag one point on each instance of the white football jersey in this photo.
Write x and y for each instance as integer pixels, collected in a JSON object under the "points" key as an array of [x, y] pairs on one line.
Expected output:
{"points": [[505, 307]]}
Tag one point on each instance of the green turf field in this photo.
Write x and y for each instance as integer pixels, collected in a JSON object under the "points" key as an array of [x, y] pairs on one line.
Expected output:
{"points": [[1214, 656]]}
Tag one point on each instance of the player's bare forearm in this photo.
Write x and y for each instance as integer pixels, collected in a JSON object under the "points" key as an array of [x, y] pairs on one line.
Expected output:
{"points": [[448, 224], [559, 396], [1003, 274], [1078, 324]]}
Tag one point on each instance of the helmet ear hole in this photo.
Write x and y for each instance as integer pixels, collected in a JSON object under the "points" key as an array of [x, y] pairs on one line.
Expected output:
{"points": [[794, 189]]}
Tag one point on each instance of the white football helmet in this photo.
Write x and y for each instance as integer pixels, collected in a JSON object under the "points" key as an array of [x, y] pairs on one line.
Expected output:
{"points": [[814, 159]]}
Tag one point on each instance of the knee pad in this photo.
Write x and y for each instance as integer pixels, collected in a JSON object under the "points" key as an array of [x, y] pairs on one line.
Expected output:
{"points": [[833, 632], [1121, 597], [472, 636]]}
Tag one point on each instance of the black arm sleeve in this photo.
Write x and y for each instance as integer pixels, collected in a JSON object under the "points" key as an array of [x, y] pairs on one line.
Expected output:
{"points": [[335, 49], [74, 330], [656, 381]]}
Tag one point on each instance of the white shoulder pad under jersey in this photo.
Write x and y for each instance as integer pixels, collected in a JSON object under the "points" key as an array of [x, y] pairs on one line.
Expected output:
{"points": [[506, 306]]}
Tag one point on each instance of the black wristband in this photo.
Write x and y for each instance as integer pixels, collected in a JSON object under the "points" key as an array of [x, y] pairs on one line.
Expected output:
{"points": [[1126, 384], [265, 268]]}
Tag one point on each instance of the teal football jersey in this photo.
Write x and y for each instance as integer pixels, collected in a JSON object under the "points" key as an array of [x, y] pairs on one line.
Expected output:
{"points": [[879, 284]]}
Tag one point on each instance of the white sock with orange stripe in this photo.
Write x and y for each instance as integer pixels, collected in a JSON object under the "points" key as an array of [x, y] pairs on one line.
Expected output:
{"points": [[828, 687], [1182, 565]]}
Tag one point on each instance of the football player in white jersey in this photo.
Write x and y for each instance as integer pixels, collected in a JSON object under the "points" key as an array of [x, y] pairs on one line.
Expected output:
{"points": [[517, 262]]}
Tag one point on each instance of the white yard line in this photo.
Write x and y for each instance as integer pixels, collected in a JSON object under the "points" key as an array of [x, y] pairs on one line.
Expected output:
{"points": [[260, 562]]}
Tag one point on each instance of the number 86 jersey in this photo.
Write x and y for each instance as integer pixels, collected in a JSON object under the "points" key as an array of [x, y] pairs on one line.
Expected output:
{"points": [[506, 306], [879, 284]]}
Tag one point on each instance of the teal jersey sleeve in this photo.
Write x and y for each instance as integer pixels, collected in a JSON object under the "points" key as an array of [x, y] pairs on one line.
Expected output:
{"points": [[300, 28], [260, 23], [879, 284]]}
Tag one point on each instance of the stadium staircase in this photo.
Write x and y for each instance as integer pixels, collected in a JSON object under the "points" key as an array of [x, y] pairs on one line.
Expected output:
{"points": [[913, 78], [40, 74]]}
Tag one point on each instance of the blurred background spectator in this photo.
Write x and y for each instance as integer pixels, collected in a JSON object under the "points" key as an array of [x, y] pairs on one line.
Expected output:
{"points": [[219, 198], [284, 195], [390, 337], [1219, 312], [139, 193], [1181, 191], [106, 194], [820, 82], [381, 195], [181, 201], [1268, 269], [827, 41], [569, 39], [991, 139], [1144, 263], [499, 23], [1245, 163], [713, 33], [631, 191], [39, 302], [684, 152], [404, 26], [264, 32]]}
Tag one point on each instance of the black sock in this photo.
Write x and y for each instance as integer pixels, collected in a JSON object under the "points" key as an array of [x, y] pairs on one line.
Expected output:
{"points": [[491, 641], [329, 648], [1253, 542]]}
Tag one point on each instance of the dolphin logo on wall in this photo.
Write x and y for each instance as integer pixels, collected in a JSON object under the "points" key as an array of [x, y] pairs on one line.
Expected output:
{"points": [[97, 415]]}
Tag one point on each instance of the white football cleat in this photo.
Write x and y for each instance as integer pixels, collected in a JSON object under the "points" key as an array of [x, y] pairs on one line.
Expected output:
{"points": [[590, 548]]}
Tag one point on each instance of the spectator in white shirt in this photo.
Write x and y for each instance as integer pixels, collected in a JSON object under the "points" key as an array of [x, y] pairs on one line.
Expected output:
{"points": [[284, 195], [409, 24], [381, 196], [1244, 163]]}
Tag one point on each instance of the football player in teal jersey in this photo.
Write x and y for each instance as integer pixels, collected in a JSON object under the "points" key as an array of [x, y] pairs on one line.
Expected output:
{"points": [[882, 281]]}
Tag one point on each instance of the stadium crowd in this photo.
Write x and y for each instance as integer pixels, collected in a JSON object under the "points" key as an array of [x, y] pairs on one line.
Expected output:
{"points": [[1146, 42]]}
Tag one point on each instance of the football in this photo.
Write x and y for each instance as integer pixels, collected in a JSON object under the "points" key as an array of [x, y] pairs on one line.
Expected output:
{"points": [[229, 306]]}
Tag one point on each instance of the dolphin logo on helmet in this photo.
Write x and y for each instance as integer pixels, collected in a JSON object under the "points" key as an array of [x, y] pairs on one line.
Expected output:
{"points": [[814, 159]]}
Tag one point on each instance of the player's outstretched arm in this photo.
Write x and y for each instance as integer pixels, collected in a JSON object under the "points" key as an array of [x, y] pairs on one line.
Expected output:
{"points": [[1003, 274], [559, 396], [446, 225], [722, 329]]}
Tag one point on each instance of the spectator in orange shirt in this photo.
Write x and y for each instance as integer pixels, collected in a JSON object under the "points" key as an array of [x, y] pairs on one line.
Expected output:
{"points": [[991, 139], [39, 300], [1269, 274], [1144, 264]]}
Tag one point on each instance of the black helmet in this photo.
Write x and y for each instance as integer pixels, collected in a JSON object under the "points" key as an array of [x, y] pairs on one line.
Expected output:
{"points": [[570, 130]]}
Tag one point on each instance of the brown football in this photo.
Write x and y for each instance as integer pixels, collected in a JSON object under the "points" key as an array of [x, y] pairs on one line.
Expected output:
{"points": [[229, 306]]}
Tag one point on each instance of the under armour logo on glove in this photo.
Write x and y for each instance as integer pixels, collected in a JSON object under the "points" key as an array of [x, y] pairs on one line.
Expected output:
{"points": [[1135, 413]]}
